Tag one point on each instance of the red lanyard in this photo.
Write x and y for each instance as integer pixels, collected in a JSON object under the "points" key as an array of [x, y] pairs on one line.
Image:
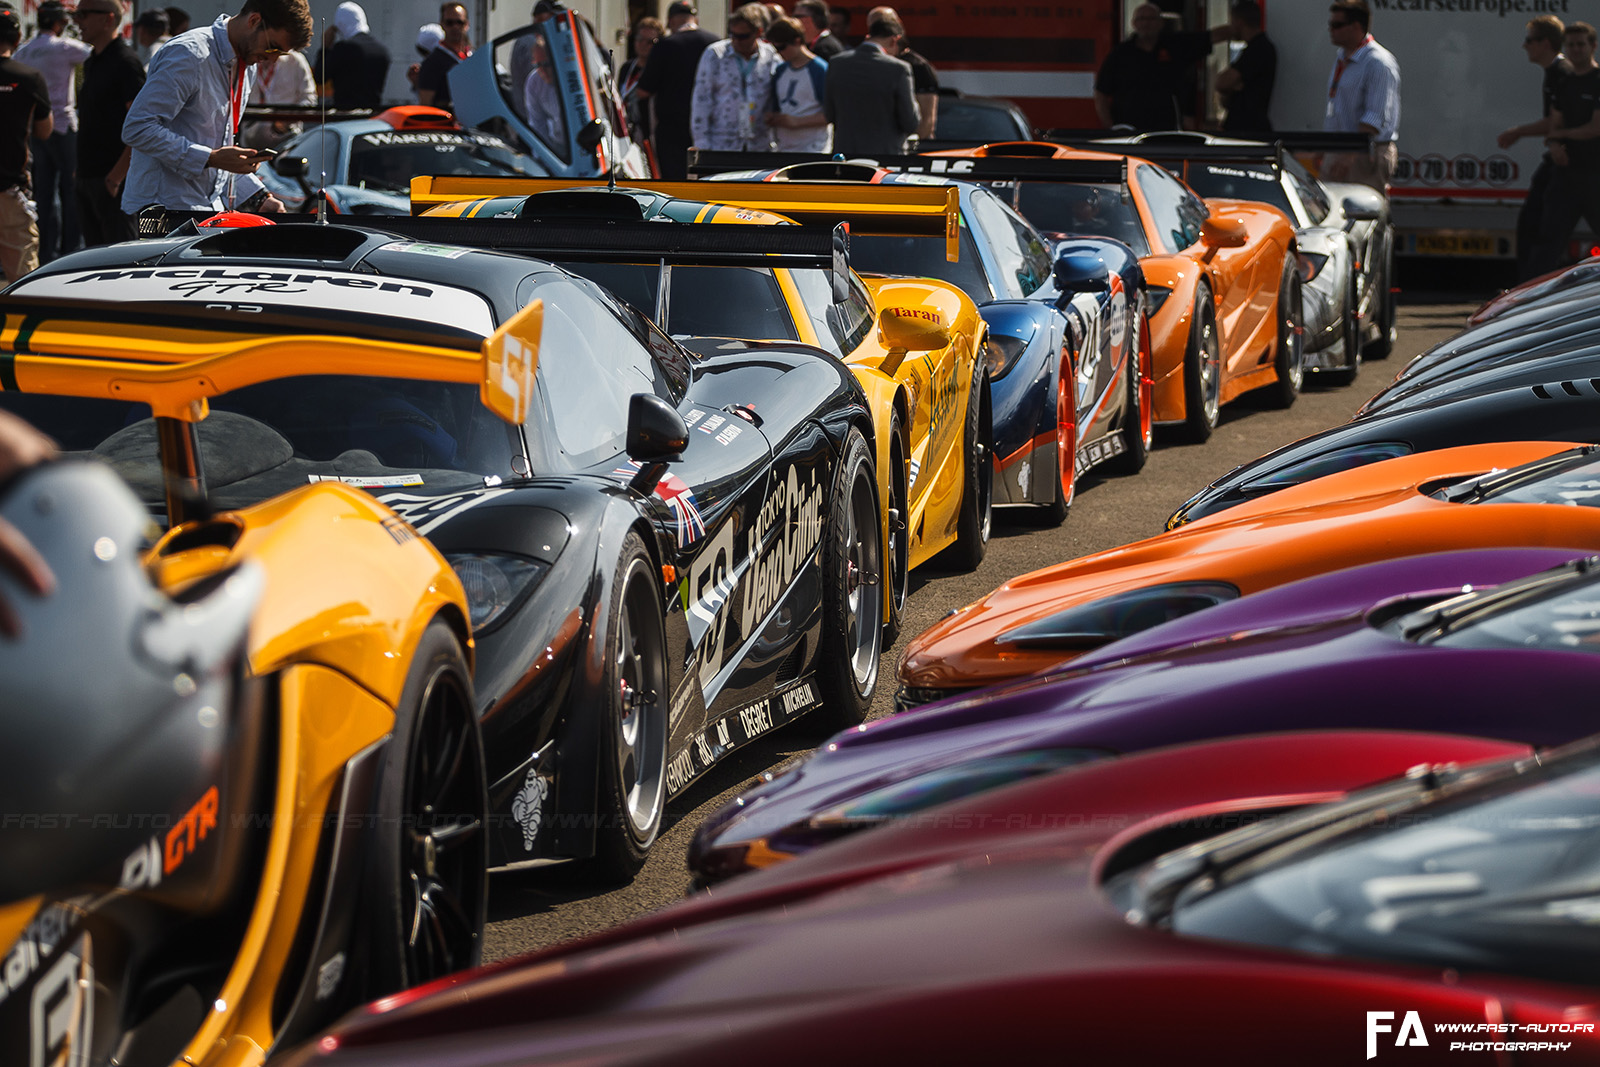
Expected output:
{"points": [[1338, 68], [236, 99]]}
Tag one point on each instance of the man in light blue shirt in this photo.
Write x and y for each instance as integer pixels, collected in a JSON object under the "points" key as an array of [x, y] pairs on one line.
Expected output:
{"points": [[1363, 97], [183, 126]]}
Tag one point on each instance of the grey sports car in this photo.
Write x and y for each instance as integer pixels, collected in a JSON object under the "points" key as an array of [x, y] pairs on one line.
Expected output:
{"points": [[1345, 237]]}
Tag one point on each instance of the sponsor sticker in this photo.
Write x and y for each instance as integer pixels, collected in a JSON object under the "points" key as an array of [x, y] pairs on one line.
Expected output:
{"points": [[738, 728], [422, 248], [381, 481]]}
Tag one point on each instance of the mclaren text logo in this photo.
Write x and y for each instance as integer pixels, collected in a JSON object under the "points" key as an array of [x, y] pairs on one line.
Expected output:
{"points": [[213, 281]]}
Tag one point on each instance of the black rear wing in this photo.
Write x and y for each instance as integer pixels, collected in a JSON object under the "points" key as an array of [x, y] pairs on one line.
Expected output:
{"points": [[585, 240], [812, 166], [1262, 147]]}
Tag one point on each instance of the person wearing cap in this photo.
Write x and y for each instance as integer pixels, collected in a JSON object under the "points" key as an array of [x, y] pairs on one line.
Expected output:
{"points": [[429, 34], [152, 31], [112, 77], [353, 63], [184, 124], [680, 13], [433, 77], [55, 158], [668, 84], [24, 111]]}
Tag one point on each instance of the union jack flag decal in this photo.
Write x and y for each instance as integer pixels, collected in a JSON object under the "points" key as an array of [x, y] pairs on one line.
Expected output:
{"points": [[679, 498]]}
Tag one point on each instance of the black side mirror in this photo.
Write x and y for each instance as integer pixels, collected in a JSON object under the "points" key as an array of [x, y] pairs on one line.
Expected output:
{"points": [[591, 135], [1359, 210], [291, 166], [656, 436], [1081, 270]]}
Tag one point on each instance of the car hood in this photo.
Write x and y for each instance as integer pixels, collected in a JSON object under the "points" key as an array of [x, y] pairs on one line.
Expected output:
{"points": [[979, 922], [1114, 700]]}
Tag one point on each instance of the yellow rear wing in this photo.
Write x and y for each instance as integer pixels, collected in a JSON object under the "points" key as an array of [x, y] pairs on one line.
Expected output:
{"points": [[868, 210], [107, 350]]}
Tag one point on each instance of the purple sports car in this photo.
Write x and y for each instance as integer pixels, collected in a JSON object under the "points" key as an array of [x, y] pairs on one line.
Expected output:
{"points": [[1408, 644]]}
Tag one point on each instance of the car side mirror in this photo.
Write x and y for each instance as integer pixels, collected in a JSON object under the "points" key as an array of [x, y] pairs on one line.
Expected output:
{"points": [[910, 329], [1221, 232], [1357, 211], [291, 166], [657, 435], [1081, 270], [590, 136]]}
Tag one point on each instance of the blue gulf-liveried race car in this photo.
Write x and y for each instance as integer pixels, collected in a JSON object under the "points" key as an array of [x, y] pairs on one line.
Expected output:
{"points": [[1069, 339]]}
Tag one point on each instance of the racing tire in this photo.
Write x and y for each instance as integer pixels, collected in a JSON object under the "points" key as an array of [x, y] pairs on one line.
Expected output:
{"points": [[427, 878], [1138, 421], [1350, 338], [1289, 359], [976, 517], [898, 566], [1066, 482], [632, 776], [1383, 308], [847, 672], [1202, 371]]}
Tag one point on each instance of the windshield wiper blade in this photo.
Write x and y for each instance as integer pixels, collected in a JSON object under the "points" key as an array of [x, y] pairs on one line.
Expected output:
{"points": [[1456, 612]]}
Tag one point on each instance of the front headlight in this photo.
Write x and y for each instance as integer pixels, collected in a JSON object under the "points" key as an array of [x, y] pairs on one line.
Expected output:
{"points": [[944, 784], [1108, 619], [1308, 264], [494, 583], [1340, 459], [1158, 295], [1001, 353]]}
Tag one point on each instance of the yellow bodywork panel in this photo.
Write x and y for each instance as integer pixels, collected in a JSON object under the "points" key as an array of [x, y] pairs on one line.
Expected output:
{"points": [[901, 210]]}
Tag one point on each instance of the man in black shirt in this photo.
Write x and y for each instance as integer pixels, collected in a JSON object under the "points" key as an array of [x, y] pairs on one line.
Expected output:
{"points": [[112, 77], [1542, 43], [433, 77], [353, 61], [1574, 143], [24, 111], [1145, 81], [813, 16], [1246, 86], [668, 83]]}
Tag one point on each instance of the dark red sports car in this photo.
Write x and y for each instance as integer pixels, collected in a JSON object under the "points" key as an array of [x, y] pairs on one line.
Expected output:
{"points": [[1253, 900]]}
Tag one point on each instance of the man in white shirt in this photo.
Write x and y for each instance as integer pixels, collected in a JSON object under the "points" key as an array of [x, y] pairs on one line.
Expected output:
{"points": [[55, 158], [1363, 97]]}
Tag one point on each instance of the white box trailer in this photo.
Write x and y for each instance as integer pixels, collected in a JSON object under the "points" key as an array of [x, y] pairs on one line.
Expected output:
{"points": [[1463, 79]]}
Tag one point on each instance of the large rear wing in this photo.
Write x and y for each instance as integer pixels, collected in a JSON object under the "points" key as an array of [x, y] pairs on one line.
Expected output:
{"points": [[176, 360], [924, 211], [1264, 147], [810, 166]]}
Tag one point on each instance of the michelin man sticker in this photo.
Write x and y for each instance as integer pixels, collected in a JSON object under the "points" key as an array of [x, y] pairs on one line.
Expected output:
{"points": [[528, 807]]}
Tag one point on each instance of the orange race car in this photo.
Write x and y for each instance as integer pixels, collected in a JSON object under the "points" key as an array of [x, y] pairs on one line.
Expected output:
{"points": [[1456, 498], [1223, 276]]}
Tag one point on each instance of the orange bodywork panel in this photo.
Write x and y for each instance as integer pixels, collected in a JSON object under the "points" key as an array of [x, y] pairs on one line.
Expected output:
{"points": [[1358, 516]]}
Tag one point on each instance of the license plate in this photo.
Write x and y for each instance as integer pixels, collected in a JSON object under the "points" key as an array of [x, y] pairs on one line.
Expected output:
{"points": [[1444, 244]]}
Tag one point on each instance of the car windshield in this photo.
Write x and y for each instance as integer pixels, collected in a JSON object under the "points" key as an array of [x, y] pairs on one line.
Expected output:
{"points": [[388, 159], [1240, 181], [1095, 210], [263, 440], [922, 257], [1571, 478], [1557, 610], [1502, 874], [742, 302], [959, 120]]}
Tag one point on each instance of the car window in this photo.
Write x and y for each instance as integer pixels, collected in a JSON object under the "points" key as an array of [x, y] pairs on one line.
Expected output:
{"points": [[742, 302], [263, 440], [841, 326], [960, 120], [923, 257], [1024, 262], [387, 159], [1240, 181], [316, 148], [1176, 214], [590, 364], [1091, 210], [1310, 191], [532, 90]]}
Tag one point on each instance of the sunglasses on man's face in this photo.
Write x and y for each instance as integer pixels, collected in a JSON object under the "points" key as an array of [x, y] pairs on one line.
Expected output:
{"points": [[1337, 25], [741, 36]]}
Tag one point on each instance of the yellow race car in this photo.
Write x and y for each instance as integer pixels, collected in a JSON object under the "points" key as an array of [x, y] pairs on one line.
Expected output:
{"points": [[217, 843], [917, 345]]}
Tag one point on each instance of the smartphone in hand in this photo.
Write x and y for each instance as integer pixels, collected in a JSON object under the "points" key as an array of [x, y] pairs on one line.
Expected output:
{"points": [[265, 153]]}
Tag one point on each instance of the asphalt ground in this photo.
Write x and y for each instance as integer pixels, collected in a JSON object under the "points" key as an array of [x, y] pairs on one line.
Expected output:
{"points": [[532, 909]]}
